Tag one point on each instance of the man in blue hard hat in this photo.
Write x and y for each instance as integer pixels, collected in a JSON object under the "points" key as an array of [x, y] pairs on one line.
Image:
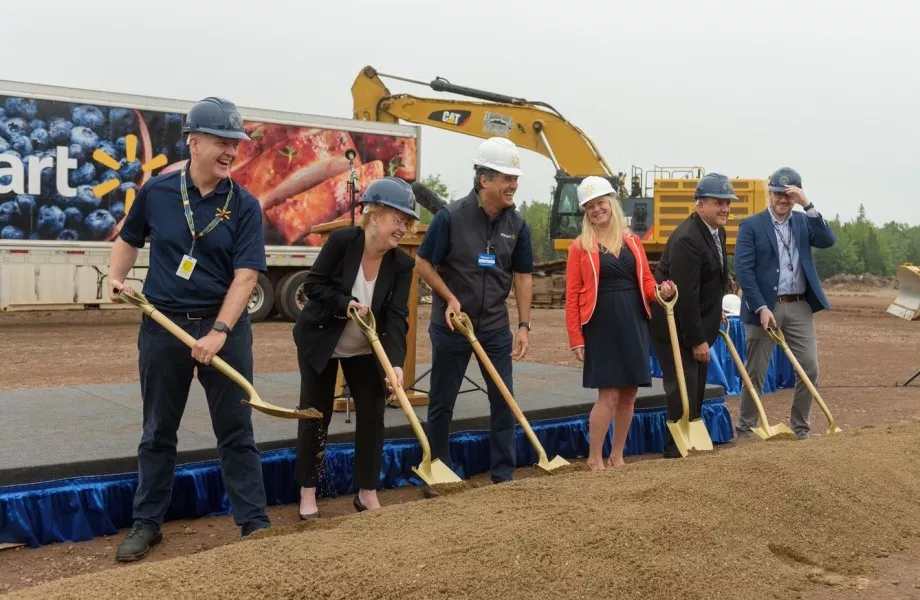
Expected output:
{"points": [[206, 251], [694, 259], [780, 288]]}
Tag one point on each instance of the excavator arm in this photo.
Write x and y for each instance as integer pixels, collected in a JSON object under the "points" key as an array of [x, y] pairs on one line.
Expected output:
{"points": [[532, 125]]}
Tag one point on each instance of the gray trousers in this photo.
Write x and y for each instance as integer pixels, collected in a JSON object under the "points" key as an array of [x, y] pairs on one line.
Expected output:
{"points": [[797, 322]]}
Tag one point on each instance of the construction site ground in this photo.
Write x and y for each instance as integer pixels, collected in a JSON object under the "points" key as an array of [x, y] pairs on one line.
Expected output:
{"points": [[865, 355]]}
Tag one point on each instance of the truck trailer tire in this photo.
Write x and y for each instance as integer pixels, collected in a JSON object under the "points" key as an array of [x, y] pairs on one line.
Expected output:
{"points": [[290, 295], [262, 299]]}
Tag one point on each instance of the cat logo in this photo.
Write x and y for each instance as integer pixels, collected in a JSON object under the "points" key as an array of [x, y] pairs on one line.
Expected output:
{"points": [[458, 118]]}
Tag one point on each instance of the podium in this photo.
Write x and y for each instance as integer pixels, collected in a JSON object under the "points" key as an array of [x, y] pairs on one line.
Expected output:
{"points": [[410, 244]]}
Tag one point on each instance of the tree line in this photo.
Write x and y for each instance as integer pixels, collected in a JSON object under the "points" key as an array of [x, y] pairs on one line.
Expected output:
{"points": [[862, 247]]}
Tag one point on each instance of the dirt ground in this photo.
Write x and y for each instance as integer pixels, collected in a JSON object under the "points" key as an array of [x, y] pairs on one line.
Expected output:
{"points": [[865, 354]]}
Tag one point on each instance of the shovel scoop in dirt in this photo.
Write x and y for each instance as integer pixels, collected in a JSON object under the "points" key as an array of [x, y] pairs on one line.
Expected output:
{"points": [[764, 430], [140, 302], [688, 435], [780, 339], [463, 325], [432, 472]]}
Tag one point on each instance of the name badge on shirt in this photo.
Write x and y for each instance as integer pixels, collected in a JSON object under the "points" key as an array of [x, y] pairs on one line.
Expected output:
{"points": [[186, 267], [487, 261]]}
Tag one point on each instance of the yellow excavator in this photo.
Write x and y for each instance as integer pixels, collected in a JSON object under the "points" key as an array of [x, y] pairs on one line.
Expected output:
{"points": [[656, 202]]}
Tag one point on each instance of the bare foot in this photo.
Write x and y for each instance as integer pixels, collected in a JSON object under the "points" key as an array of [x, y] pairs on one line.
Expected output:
{"points": [[596, 466], [615, 462]]}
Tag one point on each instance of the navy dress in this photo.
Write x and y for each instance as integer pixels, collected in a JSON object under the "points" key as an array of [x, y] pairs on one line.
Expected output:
{"points": [[617, 336]]}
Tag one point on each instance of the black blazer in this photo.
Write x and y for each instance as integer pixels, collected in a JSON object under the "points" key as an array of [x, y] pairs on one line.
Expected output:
{"points": [[328, 290], [691, 262]]}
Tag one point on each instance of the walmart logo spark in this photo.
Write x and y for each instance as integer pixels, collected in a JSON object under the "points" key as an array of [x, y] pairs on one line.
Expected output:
{"points": [[103, 158]]}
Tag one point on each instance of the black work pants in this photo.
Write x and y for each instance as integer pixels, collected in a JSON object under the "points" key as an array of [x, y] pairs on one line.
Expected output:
{"points": [[317, 390], [166, 370], [694, 378]]}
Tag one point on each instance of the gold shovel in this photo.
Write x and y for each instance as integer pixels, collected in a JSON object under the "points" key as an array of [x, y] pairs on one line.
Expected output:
{"points": [[463, 324], [764, 431], [432, 472], [138, 301], [780, 339], [688, 435]]}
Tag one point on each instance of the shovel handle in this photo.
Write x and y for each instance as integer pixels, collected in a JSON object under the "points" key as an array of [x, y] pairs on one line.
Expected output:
{"points": [[463, 325], [370, 331], [667, 304], [780, 339], [739, 364]]}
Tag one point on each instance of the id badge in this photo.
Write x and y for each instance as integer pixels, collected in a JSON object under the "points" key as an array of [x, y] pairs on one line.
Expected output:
{"points": [[186, 267], [487, 261]]}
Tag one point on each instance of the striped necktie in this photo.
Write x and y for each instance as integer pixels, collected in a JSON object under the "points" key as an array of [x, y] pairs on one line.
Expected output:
{"points": [[715, 236]]}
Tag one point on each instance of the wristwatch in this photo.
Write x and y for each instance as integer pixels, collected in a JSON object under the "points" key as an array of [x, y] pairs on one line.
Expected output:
{"points": [[524, 324], [809, 207], [221, 327]]}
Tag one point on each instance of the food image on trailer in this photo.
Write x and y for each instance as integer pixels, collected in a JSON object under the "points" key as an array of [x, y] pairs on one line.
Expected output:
{"points": [[70, 171]]}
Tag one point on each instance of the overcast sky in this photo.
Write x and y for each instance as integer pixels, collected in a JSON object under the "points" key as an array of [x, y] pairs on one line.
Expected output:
{"points": [[827, 87]]}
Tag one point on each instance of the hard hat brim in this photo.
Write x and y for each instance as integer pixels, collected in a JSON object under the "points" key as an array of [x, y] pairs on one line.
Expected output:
{"points": [[592, 197], [776, 188], [505, 170], [718, 196], [233, 135], [401, 209]]}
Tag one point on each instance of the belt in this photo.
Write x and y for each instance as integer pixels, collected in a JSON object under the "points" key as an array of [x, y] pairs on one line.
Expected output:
{"points": [[791, 297], [195, 315]]}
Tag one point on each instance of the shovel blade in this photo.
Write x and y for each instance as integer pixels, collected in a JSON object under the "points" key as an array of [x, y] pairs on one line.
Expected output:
{"points": [[548, 466], [435, 473], [681, 435], [699, 436], [780, 430], [284, 413]]}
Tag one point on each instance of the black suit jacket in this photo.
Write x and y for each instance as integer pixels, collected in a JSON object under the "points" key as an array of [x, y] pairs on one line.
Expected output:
{"points": [[328, 290], [691, 262]]}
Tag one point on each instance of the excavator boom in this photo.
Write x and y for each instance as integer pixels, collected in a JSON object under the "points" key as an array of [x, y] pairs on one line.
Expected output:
{"points": [[528, 124]]}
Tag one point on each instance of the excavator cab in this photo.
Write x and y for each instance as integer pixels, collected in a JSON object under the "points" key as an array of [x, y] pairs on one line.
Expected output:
{"points": [[566, 216]]}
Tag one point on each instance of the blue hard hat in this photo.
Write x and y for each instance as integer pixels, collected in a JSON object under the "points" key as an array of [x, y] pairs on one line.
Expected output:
{"points": [[783, 177], [216, 116], [715, 185], [392, 192]]}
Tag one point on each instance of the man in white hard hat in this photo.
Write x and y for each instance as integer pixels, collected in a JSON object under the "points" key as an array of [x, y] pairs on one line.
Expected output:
{"points": [[474, 250]]}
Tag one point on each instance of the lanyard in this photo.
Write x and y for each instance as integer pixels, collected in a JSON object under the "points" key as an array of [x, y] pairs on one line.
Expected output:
{"points": [[222, 213], [785, 241]]}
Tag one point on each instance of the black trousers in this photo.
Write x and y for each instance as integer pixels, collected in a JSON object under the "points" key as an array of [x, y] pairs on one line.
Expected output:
{"points": [[166, 371], [695, 379], [317, 390]]}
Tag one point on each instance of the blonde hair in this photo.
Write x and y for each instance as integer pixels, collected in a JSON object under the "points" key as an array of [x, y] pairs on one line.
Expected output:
{"points": [[379, 209], [611, 237]]}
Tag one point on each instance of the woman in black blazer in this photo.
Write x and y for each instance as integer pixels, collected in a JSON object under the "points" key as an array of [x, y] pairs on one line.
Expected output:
{"points": [[357, 267]]}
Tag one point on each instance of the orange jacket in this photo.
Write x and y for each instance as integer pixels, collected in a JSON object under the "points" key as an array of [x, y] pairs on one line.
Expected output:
{"points": [[581, 285]]}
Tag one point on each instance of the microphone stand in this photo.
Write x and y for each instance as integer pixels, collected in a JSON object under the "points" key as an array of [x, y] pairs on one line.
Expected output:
{"points": [[352, 185]]}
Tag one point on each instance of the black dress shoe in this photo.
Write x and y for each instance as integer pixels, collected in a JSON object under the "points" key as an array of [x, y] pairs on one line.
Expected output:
{"points": [[312, 515], [358, 505], [138, 542]]}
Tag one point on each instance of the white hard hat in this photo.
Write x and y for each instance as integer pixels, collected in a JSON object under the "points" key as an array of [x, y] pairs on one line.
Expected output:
{"points": [[499, 154], [591, 187], [731, 305]]}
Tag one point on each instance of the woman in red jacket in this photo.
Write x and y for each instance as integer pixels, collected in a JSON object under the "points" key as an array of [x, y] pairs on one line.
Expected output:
{"points": [[609, 288]]}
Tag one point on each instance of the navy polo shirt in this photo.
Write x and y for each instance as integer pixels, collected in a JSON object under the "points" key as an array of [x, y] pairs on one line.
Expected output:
{"points": [[236, 243]]}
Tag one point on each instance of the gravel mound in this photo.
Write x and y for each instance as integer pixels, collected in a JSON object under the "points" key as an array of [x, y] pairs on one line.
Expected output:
{"points": [[766, 520]]}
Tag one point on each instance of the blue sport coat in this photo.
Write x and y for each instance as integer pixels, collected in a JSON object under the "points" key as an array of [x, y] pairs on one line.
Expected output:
{"points": [[757, 260]]}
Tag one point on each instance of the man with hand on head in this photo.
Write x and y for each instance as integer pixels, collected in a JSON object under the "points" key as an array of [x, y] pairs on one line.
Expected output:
{"points": [[694, 260], [473, 251], [206, 251], [780, 288]]}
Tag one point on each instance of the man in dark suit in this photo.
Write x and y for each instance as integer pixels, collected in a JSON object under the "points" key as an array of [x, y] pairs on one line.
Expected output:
{"points": [[694, 259], [780, 287]]}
